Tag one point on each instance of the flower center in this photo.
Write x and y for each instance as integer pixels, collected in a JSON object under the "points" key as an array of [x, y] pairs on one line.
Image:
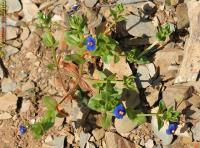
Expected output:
{"points": [[90, 43], [121, 112]]}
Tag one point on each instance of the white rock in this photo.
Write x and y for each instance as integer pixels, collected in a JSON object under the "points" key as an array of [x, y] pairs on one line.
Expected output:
{"points": [[11, 32], [13, 6], [55, 142], [149, 144], [25, 106], [29, 85], [90, 3], [10, 51], [196, 131], [137, 27], [25, 33], [124, 125], [30, 10], [84, 137], [5, 116], [1, 72], [8, 85], [166, 139], [98, 133], [58, 122], [90, 145], [8, 100], [145, 75]]}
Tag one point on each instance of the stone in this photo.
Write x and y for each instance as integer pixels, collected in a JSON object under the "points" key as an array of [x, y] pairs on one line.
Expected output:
{"points": [[137, 27], [1, 72], [25, 106], [30, 10], [7, 101], [195, 100], [166, 139], [58, 122], [196, 131], [11, 32], [174, 57], [113, 140], [124, 69], [10, 22], [184, 105], [38, 1], [149, 8], [28, 86], [5, 116], [124, 125], [129, 1], [192, 113], [176, 92], [130, 98], [152, 95], [8, 85], [9, 50], [190, 66], [182, 16], [98, 133], [55, 142], [90, 145], [70, 138], [25, 33], [33, 41], [90, 3], [84, 137], [149, 144], [13, 6], [145, 75]]}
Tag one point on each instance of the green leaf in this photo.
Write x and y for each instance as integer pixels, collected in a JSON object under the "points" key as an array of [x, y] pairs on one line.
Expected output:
{"points": [[136, 116], [160, 122], [73, 38], [48, 120], [96, 104], [50, 103], [75, 58], [164, 31], [162, 107], [48, 40], [51, 66], [116, 12], [77, 22], [129, 82], [37, 130], [116, 58], [106, 120]]}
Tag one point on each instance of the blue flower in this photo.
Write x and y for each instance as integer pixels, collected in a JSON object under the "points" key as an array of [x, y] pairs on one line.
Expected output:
{"points": [[90, 43], [119, 111], [171, 128], [75, 7], [22, 129]]}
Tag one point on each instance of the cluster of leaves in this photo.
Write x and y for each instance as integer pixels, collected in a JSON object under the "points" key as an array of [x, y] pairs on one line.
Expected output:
{"points": [[164, 31], [166, 114], [133, 56], [116, 13], [48, 119], [106, 100], [44, 20], [105, 45]]}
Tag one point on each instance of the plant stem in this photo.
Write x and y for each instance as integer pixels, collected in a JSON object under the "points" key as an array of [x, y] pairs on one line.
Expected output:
{"points": [[108, 29], [148, 49], [75, 86], [103, 81], [152, 114], [57, 67]]}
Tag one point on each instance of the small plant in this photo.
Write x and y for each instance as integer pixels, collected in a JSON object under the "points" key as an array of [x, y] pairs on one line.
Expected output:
{"points": [[88, 48], [134, 56], [48, 119]]}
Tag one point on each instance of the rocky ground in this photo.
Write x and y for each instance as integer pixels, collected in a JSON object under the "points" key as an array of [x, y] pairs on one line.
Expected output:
{"points": [[172, 75]]}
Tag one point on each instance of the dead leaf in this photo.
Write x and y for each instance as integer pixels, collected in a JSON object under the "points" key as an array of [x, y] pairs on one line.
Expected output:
{"points": [[70, 68], [84, 86]]}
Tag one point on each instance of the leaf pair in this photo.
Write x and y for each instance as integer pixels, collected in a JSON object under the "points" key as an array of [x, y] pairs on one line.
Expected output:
{"points": [[48, 119], [116, 12], [133, 56]]}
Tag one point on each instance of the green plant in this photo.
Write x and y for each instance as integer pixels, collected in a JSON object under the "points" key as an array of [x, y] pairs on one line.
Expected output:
{"points": [[44, 20], [48, 119]]}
